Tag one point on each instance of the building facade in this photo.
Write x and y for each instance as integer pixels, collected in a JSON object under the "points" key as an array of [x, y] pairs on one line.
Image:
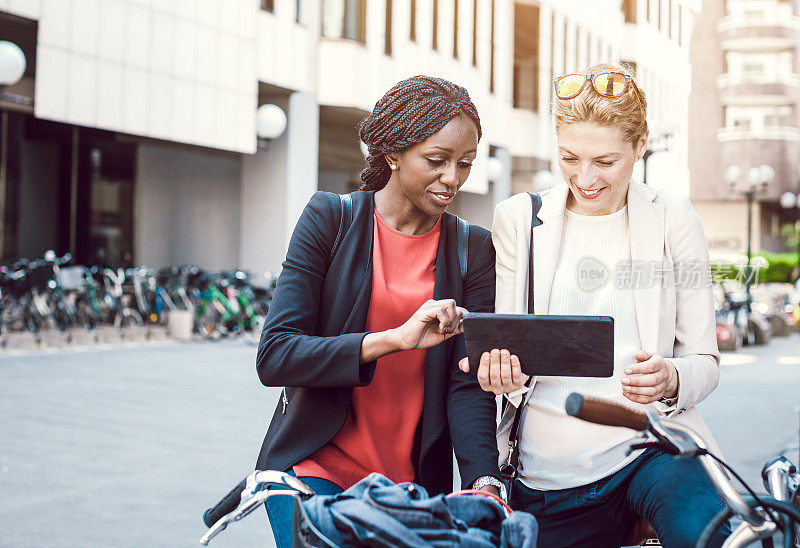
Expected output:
{"points": [[132, 136], [744, 110]]}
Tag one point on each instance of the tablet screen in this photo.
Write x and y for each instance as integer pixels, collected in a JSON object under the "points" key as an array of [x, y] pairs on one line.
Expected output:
{"points": [[564, 346]]}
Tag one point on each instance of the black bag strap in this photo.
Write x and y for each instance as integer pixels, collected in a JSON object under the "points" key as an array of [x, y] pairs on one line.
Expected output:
{"points": [[509, 469], [345, 220], [536, 205], [462, 241]]}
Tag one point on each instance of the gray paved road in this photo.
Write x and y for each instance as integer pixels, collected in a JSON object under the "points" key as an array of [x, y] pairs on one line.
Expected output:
{"points": [[127, 446], [753, 413]]}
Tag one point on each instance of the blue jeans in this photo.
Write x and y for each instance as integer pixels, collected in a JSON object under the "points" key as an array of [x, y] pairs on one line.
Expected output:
{"points": [[279, 509], [674, 495]]}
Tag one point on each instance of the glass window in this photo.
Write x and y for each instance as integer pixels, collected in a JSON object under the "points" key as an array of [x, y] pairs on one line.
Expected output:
{"points": [[110, 209], [658, 14], [669, 19], [435, 40], [526, 57], [551, 88], [752, 69], [387, 35], [455, 29], [491, 51], [412, 35], [474, 33], [344, 19], [741, 123], [629, 10]]}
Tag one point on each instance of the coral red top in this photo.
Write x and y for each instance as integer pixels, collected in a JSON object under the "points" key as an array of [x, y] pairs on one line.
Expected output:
{"points": [[378, 434]]}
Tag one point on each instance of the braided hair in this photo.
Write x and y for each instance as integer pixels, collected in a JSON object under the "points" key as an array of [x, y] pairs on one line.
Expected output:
{"points": [[410, 112]]}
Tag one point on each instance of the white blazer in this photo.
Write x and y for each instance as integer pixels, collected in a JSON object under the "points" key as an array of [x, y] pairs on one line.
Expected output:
{"points": [[676, 321]]}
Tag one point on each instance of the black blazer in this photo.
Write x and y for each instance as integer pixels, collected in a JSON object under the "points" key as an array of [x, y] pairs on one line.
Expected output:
{"points": [[312, 341]]}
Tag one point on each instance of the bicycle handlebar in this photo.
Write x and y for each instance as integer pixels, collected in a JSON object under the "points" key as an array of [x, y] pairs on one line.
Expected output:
{"points": [[604, 412], [225, 506]]}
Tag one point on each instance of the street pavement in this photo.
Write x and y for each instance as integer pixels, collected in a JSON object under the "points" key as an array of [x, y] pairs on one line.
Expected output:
{"points": [[754, 411], [128, 445]]}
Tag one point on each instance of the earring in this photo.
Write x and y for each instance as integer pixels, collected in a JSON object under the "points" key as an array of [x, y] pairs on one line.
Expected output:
{"points": [[393, 167]]}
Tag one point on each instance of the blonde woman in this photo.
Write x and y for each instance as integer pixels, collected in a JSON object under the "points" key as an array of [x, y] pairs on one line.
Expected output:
{"points": [[608, 246]]}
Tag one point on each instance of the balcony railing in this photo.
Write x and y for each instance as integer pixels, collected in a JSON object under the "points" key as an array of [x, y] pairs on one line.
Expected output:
{"points": [[728, 80], [759, 90], [776, 133], [739, 33], [770, 26]]}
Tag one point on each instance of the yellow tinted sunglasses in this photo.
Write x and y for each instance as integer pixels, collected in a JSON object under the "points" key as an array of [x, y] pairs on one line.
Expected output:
{"points": [[607, 84]]}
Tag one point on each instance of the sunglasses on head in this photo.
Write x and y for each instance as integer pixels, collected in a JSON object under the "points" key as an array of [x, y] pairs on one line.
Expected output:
{"points": [[607, 84]]}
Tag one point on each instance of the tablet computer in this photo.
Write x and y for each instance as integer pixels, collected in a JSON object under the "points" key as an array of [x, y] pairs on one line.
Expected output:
{"points": [[563, 346]]}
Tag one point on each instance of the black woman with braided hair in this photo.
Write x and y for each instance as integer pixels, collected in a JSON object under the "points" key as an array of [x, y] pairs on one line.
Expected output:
{"points": [[364, 331]]}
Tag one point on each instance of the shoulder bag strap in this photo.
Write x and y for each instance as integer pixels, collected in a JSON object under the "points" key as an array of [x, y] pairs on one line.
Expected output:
{"points": [[462, 240], [536, 205], [510, 468], [345, 220]]}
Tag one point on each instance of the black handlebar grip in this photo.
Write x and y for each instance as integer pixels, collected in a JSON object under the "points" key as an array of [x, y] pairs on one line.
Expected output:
{"points": [[227, 505], [605, 412]]}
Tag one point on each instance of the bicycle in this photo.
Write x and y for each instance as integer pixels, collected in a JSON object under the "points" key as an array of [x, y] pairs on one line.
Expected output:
{"points": [[399, 515], [120, 314], [226, 303], [757, 512]]}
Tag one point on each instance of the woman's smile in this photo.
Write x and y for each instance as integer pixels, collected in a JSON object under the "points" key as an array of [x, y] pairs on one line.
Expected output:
{"points": [[589, 194], [442, 199]]}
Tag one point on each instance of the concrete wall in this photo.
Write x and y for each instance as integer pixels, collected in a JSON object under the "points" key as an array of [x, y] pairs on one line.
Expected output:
{"points": [[478, 209], [263, 218], [276, 184], [286, 51], [705, 109], [180, 71], [725, 226], [187, 207]]}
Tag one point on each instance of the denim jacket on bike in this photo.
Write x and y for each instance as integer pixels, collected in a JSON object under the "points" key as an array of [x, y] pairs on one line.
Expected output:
{"points": [[377, 512]]}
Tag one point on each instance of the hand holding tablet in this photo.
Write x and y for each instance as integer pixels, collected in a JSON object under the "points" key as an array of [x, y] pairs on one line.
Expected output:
{"points": [[499, 371], [510, 347]]}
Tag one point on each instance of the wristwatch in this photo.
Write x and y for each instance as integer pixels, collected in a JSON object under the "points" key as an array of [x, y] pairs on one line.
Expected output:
{"points": [[485, 481], [669, 402]]}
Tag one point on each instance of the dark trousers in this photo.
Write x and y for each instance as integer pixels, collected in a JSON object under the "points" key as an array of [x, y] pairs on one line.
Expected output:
{"points": [[279, 509], [674, 495]]}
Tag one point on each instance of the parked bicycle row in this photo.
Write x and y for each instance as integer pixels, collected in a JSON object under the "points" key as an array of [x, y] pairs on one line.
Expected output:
{"points": [[49, 294], [774, 312]]}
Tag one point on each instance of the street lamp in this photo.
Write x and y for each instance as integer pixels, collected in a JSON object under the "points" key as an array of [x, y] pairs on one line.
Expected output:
{"points": [[544, 180], [659, 143], [12, 68], [494, 169], [12, 64], [757, 178], [790, 200], [270, 123]]}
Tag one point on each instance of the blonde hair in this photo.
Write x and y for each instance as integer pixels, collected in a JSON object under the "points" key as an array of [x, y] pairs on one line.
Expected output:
{"points": [[622, 113]]}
